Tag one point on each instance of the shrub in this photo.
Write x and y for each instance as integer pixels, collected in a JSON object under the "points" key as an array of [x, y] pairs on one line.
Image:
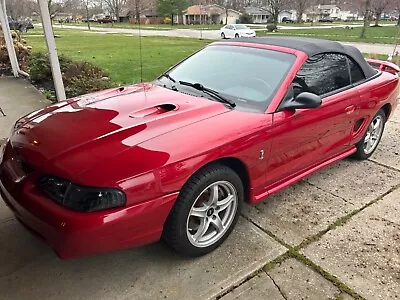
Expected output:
{"points": [[168, 21], [272, 27], [21, 50], [84, 77], [79, 77], [245, 19]]}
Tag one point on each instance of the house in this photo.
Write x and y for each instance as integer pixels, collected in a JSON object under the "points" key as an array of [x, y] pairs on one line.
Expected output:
{"points": [[259, 15], [288, 15], [315, 13], [210, 14]]}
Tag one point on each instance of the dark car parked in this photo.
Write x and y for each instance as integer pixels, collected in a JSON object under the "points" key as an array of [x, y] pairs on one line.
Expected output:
{"points": [[326, 20], [287, 20], [22, 26], [106, 19]]}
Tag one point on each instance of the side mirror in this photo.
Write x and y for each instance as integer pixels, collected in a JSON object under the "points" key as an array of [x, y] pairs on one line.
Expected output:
{"points": [[302, 101]]}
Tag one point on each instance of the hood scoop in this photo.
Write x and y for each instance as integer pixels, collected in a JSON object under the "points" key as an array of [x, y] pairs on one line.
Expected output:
{"points": [[154, 110]]}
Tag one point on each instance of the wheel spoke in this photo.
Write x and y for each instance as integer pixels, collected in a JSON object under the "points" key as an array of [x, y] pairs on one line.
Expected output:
{"points": [[204, 225], [370, 143], [213, 195], [377, 124], [200, 212], [217, 223], [225, 203], [368, 136]]}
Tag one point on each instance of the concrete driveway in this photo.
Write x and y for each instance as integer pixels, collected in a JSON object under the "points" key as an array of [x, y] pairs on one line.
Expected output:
{"points": [[333, 235]]}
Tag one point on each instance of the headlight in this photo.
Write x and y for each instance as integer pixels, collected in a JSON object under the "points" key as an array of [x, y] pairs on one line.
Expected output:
{"points": [[80, 198]]}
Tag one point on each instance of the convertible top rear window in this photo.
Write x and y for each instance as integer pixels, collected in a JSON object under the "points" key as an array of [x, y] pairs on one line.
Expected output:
{"points": [[248, 76]]}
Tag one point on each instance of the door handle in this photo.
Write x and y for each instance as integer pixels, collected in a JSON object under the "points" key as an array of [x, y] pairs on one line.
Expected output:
{"points": [[350, 109]]}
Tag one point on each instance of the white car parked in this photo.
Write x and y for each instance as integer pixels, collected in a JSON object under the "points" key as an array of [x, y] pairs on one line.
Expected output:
{"points": [[236, 31]]}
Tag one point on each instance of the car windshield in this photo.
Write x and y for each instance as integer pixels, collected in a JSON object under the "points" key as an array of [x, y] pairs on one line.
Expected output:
{"points": [[241, 27], [249, 77]]}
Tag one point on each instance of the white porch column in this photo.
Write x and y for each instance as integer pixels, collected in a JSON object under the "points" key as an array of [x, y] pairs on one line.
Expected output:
{"points": [[8, 38], [51, 46]]}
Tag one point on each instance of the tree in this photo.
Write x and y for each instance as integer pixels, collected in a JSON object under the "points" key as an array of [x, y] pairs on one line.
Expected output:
{"points": [[115, 7], [170, 8], [275, 7], [18, 8], [301, 6], [55, 7], [137, 7], [367, 17], [377, 7], [87, 4]]}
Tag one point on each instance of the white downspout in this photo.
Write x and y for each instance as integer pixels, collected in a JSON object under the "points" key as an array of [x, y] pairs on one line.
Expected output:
{"points": [[51, 46]]}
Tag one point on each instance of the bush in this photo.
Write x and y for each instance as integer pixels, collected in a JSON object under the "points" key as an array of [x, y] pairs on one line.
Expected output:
{"points": [[79, 77], [272, 28], [21, 50], [168, 21], [245, 19]]}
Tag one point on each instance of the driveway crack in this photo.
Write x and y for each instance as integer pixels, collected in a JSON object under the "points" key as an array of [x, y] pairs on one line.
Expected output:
{"points": [[277, 286], [333, 194]]}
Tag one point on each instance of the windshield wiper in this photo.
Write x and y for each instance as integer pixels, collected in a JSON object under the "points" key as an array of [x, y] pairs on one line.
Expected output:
{"points": [[215, 94], [166, 75]]}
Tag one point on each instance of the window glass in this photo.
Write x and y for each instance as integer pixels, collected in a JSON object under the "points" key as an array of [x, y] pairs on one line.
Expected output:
{"points": [[357, 74], [322, 74], [248, 76]]}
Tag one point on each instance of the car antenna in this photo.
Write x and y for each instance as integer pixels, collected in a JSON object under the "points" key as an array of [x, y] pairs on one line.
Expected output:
{"points": [[140, 50]]}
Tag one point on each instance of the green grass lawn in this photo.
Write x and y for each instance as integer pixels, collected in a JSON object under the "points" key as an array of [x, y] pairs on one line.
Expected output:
{"points": [[384, 35], [118, 54]]}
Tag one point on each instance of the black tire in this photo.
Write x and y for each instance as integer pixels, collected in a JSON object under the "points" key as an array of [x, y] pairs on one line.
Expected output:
{"points": [[175, 228], [223, 35], [23, 29], [236, 35], [361, 154]]}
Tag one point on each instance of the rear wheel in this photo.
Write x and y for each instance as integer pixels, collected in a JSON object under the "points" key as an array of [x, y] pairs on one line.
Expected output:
{"points": [[236, 35], [23, 29], [205, 212], [371, 139]]}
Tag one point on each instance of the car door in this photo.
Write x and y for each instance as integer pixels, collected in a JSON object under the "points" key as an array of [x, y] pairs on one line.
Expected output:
{"points": [[306, 137], [229, 31]]}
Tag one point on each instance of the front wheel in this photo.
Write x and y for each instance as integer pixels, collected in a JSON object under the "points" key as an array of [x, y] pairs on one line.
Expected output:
{"points": [[237, 35], [371, 139], [223, 35], [205, 212]]}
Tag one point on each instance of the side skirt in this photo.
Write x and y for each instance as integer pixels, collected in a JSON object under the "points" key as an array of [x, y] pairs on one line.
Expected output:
{"points": [[281, 184]]}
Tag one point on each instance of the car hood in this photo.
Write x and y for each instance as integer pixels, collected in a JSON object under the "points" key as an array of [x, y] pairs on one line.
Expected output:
{"points": [[99, 126]]}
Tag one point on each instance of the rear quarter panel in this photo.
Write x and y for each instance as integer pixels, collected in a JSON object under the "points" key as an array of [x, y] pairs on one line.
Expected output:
{"points": [[374, 94]]}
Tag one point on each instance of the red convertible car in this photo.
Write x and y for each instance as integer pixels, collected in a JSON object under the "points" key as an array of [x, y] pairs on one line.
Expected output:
{"points": [[176, 158]]}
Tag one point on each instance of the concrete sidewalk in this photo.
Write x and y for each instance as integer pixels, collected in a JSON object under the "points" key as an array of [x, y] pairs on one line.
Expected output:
{"points": [[334, 235]]}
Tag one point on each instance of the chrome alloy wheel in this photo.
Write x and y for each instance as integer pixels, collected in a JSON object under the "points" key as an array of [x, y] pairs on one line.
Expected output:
{"points": [[212, 214], [373, 134]]}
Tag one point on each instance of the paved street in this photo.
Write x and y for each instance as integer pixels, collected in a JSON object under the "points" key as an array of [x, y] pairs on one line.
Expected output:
{"points": [[334, 235], [215, 35]]}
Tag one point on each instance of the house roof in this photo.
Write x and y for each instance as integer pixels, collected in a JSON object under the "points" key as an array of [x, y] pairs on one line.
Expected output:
{"points": [[312, 47], [252, 10], [206, 9]]}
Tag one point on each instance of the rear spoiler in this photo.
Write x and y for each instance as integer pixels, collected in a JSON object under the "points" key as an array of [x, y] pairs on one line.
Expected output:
{"points": [[386, 66]]}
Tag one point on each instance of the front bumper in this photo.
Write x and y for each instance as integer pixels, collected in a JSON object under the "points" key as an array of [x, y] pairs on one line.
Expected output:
{"points": [[73, 234]]}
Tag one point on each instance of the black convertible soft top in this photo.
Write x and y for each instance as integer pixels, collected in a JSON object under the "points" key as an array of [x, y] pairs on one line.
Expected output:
{"points": [[312, 46]]}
